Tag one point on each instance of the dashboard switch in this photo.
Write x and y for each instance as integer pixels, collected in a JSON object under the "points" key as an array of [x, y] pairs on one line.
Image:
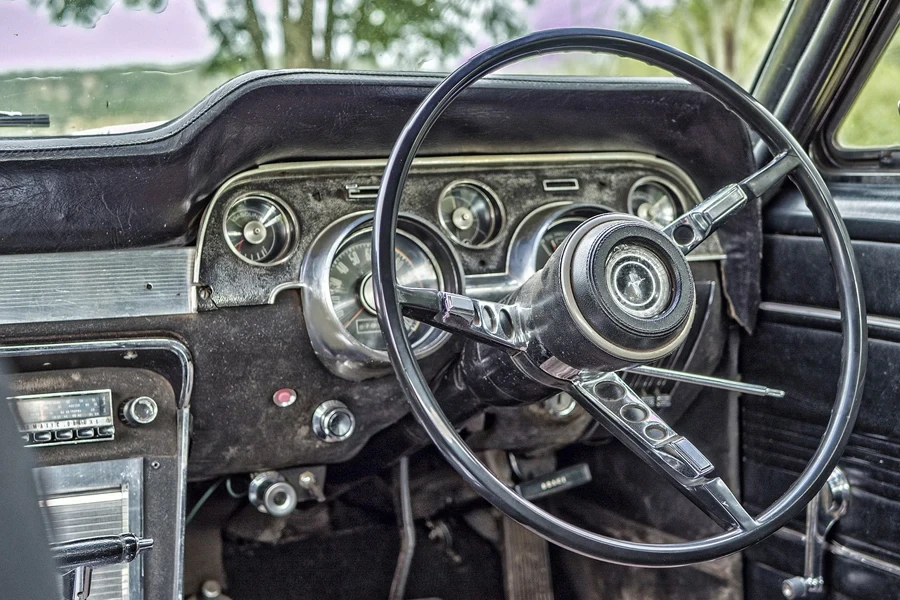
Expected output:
{"points": [[138, 411], [86, 433], [64, 435], [333, 422], [272, 495]]}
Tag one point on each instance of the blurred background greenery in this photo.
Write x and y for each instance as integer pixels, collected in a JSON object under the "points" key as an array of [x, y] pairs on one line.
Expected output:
{"points": [[731, 35]]}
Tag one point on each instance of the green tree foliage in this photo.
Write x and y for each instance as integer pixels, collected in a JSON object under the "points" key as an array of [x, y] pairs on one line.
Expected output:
{"points": [[87, 12], [730, 35], [874, 120], [401, 34]]}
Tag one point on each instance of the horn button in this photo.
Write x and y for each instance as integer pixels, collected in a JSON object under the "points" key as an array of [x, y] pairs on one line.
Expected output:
{"points": [[625, 295], [638, 280]]}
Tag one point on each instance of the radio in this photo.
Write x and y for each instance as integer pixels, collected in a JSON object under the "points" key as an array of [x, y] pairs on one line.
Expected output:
{"points": [[64, 417]]}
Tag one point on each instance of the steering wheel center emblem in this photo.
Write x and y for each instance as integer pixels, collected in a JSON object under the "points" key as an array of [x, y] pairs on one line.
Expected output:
{"points": [[638, 281]]}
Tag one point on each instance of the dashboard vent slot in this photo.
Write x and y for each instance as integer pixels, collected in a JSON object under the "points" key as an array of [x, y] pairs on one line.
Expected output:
{"points": [[561, 185], [359, 193]]}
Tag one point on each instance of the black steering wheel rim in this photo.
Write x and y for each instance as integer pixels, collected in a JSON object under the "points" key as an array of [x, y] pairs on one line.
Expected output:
{"points": [[807, 179]]}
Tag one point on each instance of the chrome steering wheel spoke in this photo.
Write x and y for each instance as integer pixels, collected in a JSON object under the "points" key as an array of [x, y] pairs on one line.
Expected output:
{"points": [[690, 229], [618, 408], [491, 323]]}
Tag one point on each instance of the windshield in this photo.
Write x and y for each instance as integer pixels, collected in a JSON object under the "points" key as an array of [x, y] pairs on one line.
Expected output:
{"points": [[83, 67]]}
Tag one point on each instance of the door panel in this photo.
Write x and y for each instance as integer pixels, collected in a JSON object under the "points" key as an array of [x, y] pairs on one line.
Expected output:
{"points": [[796, 347]]}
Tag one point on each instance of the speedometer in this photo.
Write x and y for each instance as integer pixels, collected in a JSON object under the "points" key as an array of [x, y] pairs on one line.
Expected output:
{"points": [[352, 293], [554, 237]]}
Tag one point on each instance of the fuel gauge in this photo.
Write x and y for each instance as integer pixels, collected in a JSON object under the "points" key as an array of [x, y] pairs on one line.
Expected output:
{"points": [[261, 229]]}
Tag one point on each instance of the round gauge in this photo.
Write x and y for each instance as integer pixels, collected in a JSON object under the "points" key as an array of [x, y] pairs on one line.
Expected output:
{"points": [[470, 213], [653, 201], [260, 229], [554, 237], [353, 295]]}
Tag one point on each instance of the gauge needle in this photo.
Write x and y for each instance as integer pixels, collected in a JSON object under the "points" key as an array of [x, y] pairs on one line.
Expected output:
{"points": [[272, 221], [353, 318]]}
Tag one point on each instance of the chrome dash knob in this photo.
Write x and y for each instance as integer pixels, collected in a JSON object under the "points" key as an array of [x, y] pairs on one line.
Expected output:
{"points": [[332, 421], [139, 411]]}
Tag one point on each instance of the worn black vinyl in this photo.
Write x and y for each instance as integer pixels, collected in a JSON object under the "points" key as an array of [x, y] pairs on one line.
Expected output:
{"points": [[149, 188], [426, 408]]}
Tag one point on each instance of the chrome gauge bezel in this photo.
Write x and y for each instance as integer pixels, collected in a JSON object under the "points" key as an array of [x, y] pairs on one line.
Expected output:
{"points": [[293, 226], [498, 213], [667, 185], [573, 213], [423, 346], [338, 350]]}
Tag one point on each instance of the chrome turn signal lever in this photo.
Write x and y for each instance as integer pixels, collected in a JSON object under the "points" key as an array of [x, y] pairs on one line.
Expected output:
{"points": [[77, 559], [829, 505]]}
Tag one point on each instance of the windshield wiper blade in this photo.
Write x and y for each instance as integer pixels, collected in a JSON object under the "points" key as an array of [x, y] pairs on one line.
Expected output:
{"points": [[17, 119]]}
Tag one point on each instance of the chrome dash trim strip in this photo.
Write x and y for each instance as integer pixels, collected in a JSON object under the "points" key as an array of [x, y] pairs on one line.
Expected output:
{"points": [[826, 314], [184, 417], [69, 286], [433, 162]]}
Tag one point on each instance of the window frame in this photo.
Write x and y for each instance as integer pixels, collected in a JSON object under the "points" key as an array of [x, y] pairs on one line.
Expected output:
{"points": [[828, 152]]}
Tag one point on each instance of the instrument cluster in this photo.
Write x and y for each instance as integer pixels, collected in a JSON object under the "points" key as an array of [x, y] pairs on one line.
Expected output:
{"points": [[479, 226]]}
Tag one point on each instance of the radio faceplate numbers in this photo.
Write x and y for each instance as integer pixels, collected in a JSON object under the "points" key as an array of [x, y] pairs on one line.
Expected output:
{"points": [[64, 417]]}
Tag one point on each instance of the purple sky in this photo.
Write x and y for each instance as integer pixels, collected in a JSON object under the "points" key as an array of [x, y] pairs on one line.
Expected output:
{"points": [[178, 34]]}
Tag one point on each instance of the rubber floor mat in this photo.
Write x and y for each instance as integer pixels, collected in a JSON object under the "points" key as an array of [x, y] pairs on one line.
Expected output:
{"points": [[359, 564]]}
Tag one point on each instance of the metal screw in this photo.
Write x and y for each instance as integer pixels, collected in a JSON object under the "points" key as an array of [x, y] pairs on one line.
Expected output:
{"points": [[204, 293], [307, 479], [155, 465]]}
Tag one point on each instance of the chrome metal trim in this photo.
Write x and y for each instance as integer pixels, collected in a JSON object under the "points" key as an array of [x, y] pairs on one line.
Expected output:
{"points": [[493, 199], [683, 204], [69, 286], [563, 184], [339, 351], [76, 500], [77, 482], [361, 193], [840, 550], [485, 284], [706, 381], [183, 415], [826, 314], [294, 224], [586, 329]]}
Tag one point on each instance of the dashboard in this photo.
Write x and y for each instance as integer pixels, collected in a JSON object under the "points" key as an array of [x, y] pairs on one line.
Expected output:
{"points": [[172, 252], [475, 225]]}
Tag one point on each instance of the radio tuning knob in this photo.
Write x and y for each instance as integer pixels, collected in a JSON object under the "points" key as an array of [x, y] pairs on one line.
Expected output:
{"points": [[138, 411]]}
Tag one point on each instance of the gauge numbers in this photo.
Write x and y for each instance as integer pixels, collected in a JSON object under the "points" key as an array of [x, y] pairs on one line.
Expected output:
{"points": [[470, 213], [260, 230], [653, 201], [353, 295]]}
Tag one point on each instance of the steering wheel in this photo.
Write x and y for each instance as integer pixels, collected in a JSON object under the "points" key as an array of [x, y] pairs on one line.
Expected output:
{"points": [[618, 292]]}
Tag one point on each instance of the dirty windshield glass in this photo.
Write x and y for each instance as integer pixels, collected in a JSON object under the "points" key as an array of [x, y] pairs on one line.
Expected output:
{"points": [[83, 67]]}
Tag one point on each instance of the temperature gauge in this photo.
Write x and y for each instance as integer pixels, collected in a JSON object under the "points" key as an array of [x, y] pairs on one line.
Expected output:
{"points": [[260, 229]]}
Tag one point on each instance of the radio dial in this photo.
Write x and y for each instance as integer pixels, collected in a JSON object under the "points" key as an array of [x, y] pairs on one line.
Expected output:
{"points": [[138, 411]]}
